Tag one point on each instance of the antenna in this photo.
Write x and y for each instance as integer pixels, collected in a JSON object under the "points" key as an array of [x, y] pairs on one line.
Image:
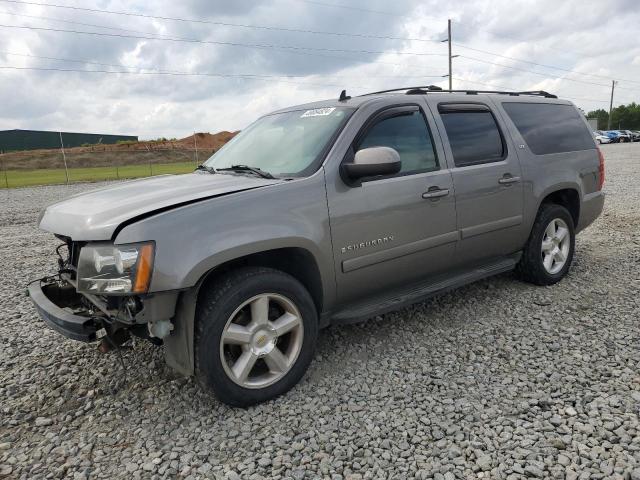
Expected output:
{"points": [[343, 96]]}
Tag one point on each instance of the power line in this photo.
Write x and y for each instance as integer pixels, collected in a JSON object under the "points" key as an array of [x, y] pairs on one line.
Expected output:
{"points": [[295, 49], [377, 62], [218, 42], [74, 22], [530, 71], [171, 73], [243, 76], [547, 47], [350, 7], [538, 64], [285, 29], [174, 72], [273, 78], [224, 24]]}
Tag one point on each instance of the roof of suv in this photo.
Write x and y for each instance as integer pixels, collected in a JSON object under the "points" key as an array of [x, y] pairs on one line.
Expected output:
{"points": [[346, 101]]}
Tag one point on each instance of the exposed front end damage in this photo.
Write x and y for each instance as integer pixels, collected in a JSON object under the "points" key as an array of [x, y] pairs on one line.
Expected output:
{"points": [[111, 319]]}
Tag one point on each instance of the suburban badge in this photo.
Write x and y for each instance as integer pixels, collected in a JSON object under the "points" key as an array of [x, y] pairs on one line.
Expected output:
{"points": [[368, 243]]}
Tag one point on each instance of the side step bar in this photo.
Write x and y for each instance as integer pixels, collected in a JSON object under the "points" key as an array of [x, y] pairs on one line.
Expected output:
{"points": [[398, 299]]}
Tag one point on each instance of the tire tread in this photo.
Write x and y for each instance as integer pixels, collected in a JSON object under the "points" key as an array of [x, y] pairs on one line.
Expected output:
{"points": [[530, 268], [215, 293]]}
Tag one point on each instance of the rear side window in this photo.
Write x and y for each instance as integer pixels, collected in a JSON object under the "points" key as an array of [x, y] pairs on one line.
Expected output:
{"points": [[409, 135], [474, 137], [550, 128]]}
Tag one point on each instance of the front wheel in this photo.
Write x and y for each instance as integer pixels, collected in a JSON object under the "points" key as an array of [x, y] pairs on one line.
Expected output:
{"points": [[549, 251], [255, 336]]}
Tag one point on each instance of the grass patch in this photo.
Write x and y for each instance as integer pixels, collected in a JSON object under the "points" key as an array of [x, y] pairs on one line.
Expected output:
{"points": [[46, 176]]}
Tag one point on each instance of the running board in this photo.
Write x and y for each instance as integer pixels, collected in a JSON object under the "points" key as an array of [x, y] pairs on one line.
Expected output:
{"points": [[419, 292]]}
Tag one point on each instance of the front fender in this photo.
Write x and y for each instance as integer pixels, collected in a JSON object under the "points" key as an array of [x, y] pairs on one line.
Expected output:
{"points": [[193, 239]]}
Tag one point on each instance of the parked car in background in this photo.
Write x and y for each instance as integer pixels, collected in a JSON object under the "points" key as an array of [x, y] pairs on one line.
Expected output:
{"points": [[600, 138], [613, 136], [636, 135], [623, 135], [633, 136]]}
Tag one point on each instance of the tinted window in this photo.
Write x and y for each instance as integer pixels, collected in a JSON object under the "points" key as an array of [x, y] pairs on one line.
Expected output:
{"points": [[550, 128], [474, 137], [409, 136]]}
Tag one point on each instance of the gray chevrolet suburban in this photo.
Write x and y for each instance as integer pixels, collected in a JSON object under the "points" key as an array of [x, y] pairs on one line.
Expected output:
{"points": [[320, 214]]}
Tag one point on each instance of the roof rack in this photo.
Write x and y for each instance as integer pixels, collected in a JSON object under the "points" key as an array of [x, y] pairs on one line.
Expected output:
{"points": [[421, 90], [413, 90]]}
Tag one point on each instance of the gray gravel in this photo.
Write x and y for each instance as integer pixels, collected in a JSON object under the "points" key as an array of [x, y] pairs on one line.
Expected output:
{"points": [[499, 379]]}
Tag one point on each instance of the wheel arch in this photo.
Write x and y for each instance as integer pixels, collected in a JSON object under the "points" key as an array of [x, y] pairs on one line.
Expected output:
{"points": [[567, 197], [296, 261]]}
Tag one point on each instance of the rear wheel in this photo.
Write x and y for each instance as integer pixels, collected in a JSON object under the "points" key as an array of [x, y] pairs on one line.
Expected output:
{"points": [[255, 337], [549, 251]]}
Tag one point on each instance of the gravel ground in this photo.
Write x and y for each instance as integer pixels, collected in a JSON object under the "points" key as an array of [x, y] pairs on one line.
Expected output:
{"points": [[499, 379]]}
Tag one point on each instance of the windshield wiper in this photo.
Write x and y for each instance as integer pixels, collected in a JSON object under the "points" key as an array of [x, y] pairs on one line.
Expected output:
{"points": [[205, 168], [246, 168]]}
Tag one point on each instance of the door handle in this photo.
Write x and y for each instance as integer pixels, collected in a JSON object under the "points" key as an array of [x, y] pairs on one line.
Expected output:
{"points": [[508, 180], [435, 192]]}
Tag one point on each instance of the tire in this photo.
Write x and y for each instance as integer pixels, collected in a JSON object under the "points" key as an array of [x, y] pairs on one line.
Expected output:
{"points": [[234, 305], [532, 267], [599, 142]]}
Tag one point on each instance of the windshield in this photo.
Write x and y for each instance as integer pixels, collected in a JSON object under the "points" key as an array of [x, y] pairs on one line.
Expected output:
{"points": [[283, 144]]}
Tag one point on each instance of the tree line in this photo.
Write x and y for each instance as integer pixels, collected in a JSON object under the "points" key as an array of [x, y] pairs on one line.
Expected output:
{"points": [[624, 117]]}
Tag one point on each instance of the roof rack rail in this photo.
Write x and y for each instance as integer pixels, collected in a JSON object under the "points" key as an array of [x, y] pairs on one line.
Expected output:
{"points": [[413, 90], [433, 88], [540, 93]]}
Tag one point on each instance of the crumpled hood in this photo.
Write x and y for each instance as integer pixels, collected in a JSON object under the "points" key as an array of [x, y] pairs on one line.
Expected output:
{"points": [[95, 215]]}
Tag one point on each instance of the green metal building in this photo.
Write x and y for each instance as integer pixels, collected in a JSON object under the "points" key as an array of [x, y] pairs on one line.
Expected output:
{"points": [[15, 140]]}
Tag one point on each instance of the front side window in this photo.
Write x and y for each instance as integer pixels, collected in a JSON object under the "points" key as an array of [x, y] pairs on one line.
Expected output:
{"points": [[474, 137], [409, 135], [284, 144], [550, 127]]}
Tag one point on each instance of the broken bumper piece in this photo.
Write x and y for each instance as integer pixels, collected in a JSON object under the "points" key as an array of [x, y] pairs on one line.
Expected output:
{"points": [[51, 301]]}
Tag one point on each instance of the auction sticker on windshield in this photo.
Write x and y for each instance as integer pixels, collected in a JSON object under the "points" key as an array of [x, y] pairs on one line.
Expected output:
{"points": [[318, 112]]}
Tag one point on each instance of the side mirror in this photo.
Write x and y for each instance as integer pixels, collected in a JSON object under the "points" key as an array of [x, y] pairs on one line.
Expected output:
{"points": [[373, 161]]}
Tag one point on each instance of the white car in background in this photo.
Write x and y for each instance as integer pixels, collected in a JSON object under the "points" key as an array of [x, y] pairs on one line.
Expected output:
{"points": [[600, 139]]}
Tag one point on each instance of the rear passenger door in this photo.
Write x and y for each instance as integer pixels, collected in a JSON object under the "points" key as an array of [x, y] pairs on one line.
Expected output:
{"points": [[487, 179]]}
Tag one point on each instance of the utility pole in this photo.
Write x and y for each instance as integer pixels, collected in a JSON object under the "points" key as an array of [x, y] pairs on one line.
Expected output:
{"points": [[449, 38], [613, 86]]}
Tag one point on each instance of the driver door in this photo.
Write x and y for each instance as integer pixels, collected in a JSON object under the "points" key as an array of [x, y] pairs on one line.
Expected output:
{"points": [[393, 230]]}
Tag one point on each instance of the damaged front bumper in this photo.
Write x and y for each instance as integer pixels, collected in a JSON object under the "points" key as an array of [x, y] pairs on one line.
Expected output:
{"points": [[54, 301], [87, 318]]}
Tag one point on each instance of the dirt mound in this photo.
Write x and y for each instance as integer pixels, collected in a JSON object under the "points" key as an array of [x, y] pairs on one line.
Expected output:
{"points": [[198, 146], [207, 140]]}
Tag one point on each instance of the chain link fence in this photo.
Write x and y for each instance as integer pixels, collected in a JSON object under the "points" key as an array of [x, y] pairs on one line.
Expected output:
{"points": [[91, 163]]}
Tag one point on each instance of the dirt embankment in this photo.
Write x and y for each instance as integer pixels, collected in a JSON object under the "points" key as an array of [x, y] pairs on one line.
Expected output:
{"points": [[196, 148]]}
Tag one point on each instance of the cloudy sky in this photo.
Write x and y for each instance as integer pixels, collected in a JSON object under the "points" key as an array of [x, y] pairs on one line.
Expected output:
{"points": [[227, 62]]}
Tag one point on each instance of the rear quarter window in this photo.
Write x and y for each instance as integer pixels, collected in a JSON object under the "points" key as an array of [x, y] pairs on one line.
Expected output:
{"points": [[550, 128], [474, 137]]}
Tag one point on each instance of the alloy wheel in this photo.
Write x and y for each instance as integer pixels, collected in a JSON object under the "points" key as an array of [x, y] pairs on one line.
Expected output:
{"points": [[261, 340], [556, 243]]}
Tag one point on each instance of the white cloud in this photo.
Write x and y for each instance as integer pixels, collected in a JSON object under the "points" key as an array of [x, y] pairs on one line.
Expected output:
{"points": [[564, 34]]}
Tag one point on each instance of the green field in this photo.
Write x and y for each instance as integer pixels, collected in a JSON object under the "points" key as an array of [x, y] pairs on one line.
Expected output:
{"points": [[26, 178]]}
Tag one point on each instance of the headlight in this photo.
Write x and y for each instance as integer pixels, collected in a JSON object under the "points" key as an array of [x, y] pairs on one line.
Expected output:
{"points": [[115, 269]]}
